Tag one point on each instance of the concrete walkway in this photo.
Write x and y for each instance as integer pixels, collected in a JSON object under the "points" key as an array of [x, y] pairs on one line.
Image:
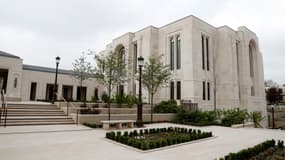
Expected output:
{"points": [[71, 142]]}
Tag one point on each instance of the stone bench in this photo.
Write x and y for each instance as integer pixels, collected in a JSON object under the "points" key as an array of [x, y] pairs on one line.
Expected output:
{"points": [[118, 124]]}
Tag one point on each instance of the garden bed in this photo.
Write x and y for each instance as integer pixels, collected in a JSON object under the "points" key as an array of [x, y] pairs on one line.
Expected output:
{"points": [[147, 139], [267, 150]]}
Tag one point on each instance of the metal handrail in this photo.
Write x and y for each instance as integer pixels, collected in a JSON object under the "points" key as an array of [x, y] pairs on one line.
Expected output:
{"points": [[73, 107], [67, 105]]}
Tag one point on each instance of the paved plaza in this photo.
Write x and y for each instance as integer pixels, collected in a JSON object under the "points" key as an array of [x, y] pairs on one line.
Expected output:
{"points": [[72, 142]]}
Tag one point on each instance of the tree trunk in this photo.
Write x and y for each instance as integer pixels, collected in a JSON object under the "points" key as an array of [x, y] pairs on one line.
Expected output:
{"points": [[151, 108], [108, 102]]}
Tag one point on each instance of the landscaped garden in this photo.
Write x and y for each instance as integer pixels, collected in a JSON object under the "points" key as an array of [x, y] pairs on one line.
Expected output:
{"points": [[146, 139], [203, 118], [267, 150]]}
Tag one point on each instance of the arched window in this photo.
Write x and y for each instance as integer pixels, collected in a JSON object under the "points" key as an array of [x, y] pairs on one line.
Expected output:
{"points": [[122, 54], [252, 55], [251, 59]]}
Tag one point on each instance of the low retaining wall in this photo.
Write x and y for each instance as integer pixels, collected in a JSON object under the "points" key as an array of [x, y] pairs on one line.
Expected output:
{"points": [[246, 125], [95, 119]]}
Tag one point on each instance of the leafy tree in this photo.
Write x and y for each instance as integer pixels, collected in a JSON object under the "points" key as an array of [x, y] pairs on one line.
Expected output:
{"points": [[273, 95], [111, 72], [82, 70], [154, 75]]}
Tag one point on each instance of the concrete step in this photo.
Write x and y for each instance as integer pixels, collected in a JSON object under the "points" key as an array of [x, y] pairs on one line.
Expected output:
{"points": [[36, 114], [39, 117], [32, 110], [37, 123], [39, 120], [41, 108]]}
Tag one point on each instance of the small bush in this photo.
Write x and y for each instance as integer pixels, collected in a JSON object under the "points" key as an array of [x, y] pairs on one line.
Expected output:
{"points": [[234, 116], [198, 117], [105, 98], [166, 107]]}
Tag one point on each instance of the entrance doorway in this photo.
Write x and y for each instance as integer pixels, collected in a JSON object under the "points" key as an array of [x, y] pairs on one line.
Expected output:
{"points": [[3, 79], [49, 92], [67, 92], [33, 92], [81, 93]]}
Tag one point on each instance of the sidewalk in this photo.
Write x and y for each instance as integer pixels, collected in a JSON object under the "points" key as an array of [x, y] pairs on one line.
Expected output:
{"points": [[71, 142]]}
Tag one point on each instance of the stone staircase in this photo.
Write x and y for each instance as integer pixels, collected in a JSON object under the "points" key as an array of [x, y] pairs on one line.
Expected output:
{"points": [[35, 114]]}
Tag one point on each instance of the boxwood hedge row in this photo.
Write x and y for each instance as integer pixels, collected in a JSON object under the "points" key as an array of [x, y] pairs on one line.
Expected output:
{"points": [[152, 138]]}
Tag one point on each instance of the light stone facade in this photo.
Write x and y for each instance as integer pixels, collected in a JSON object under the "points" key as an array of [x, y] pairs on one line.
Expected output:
{"points": [[232, 60], [20, 78]]}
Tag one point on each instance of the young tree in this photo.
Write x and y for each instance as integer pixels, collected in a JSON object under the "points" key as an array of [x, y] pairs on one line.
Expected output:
{"points": [[111, 71], [154, 75], [82, 70]]}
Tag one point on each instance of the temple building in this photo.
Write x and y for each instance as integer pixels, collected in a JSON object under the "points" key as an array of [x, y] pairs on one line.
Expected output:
{"points": [[212, 66]]}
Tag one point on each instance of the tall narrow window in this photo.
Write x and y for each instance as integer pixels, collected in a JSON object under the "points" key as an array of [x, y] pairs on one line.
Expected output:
{"points": [[171, 90], [122, 54], [208, 90], [135, 57], [252, 92], [203, 52], [204, 91], [171, 53], [178, 90], [178, 52], [207, 53], [251, 69], [120, 90]]}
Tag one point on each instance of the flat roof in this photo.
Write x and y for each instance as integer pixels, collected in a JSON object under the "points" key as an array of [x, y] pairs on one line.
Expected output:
{"points": [[50, 70], [46, 69], [5, 54]]}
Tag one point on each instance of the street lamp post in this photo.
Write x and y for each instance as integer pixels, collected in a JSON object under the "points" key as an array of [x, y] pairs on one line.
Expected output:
{"points": [[140, 104], [57, 59]]}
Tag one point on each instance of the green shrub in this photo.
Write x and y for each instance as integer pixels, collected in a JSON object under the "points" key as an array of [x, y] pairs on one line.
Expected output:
{"points": [[105, 98], [280, 144], [166, 107], [131, 100], [120, 99], [234, 116], [250, 152], [199, 117]]}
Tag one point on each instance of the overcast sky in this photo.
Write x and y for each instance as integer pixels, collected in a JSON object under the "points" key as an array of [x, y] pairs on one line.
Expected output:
{"points": [[40, 30]]}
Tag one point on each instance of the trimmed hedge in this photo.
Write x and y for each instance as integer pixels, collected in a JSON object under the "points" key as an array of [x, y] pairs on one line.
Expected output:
{"points": [[152, 138], [197, 117], [166, 107], [250, 152]]}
